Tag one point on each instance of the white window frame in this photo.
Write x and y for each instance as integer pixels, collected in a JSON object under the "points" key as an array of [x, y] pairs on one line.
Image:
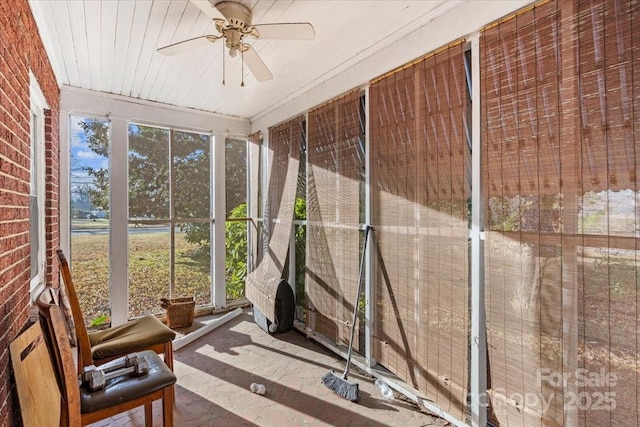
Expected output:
{"points": [[37, 168]]}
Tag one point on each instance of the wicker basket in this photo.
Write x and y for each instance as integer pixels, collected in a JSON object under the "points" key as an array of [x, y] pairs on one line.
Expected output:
{"points": [[179, 311]]}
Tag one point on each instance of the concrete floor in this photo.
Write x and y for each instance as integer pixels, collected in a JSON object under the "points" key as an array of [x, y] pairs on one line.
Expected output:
{"points": [[215, 373]]}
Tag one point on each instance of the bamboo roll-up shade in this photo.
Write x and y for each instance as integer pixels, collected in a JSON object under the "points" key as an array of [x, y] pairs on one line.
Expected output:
{"points": [[559, 155], [443, 226], [521, 92], [605, 106], [284, 149], [393, 172], [335, 171], [605, 73], [608, 47], [420, 179]]}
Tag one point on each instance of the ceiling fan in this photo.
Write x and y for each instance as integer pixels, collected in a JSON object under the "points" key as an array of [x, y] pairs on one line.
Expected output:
{"points": [[233, 22]]}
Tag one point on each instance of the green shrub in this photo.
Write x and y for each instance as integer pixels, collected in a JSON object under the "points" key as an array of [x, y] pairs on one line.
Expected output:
{"points": [[300, 214], [236, 253]]}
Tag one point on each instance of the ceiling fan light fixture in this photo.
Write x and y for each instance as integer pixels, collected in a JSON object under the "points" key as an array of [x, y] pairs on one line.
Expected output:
{"points": [[233, 41]]}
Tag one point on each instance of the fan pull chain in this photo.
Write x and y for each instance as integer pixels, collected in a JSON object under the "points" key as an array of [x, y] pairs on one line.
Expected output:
{"points": [[223, 66], [242, 60]]}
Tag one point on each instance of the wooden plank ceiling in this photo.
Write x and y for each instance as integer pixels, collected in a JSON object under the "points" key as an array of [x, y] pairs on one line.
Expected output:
{"points": [[110, 46]]}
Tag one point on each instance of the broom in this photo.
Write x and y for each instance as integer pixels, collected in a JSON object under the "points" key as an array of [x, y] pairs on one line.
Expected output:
{"points": [[339, 383]]}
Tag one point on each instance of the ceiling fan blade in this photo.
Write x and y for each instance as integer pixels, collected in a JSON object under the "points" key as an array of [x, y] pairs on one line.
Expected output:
{"points": [[208, 9], [255, 64], [185, 45], [288, 31]]}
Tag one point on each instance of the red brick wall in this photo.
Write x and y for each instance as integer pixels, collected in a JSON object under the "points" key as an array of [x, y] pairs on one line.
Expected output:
{"points": [[21, 50]]}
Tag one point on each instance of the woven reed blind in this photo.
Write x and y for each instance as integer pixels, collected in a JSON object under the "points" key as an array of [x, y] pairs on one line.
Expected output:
{"points": [[335, 176], [560, 150], [420, 170], [284, 147]]}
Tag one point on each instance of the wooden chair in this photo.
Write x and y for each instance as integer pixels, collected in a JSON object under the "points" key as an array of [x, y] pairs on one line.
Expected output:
{"points": [[79, 406], [96, 348]]}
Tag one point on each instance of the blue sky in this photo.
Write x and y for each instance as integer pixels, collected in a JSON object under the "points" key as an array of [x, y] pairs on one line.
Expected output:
{"points": [[81, 155]]}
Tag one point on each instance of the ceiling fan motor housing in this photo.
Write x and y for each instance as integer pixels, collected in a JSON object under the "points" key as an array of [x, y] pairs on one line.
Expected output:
{"points": [[237, 15]]}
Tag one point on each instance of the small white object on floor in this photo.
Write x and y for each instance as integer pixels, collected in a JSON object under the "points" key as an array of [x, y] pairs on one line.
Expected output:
{"points": [[273, 327], [385, 390], [257, 389]]}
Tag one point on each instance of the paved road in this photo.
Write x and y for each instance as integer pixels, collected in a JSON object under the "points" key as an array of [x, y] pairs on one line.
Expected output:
{"points": [[132, 230]]}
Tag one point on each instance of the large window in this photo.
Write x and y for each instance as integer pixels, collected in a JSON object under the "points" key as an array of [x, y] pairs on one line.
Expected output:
{"points": [[89, 202], [169, 217], [36, 188]]}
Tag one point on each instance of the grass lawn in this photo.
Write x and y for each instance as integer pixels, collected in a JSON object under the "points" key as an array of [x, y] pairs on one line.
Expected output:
{"points": [[148, 272]]}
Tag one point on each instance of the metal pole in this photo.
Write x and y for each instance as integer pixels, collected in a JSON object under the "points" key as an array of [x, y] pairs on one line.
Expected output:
{"points": [[369, 291], [478, 378]]}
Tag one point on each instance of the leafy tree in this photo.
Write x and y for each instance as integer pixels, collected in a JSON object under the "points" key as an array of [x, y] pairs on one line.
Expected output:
{"points": [[81, 201], [97, 134], [235, 173], [191, 160], [149, 172]]}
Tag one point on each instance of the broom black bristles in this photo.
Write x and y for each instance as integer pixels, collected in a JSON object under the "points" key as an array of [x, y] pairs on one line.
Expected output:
{"points": [[341, 386]]}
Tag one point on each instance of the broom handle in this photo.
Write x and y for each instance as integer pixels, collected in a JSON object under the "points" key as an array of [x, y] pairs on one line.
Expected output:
{"points": [[355, 308]]}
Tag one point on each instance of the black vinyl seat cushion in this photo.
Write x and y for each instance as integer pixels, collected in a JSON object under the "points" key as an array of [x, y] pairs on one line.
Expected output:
{"points": [[123, 389]]}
